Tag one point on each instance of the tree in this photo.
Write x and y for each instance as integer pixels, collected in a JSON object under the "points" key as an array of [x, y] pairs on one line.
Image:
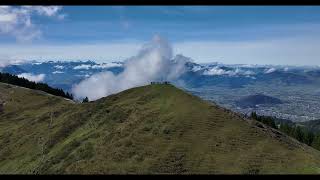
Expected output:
{"points": [[298, 134], [316, 142], [254, 115], [85, 100], [269, 121], [284, 127], [272, 124], [308, 137], [15, 80]]}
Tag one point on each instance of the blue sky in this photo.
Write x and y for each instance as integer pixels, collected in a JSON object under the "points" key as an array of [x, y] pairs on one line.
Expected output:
{"points": [[228, 34]]}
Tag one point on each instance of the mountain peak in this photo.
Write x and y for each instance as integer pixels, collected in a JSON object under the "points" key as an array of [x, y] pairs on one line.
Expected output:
{"points": [[149, 129]]}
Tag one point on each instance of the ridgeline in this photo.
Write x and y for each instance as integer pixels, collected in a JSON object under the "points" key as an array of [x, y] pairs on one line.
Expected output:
{"points": [[15, 80], [153, 129]]}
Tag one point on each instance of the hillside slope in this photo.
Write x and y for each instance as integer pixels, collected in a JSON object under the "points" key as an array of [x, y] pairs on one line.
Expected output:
{"points": [[149, 129]]}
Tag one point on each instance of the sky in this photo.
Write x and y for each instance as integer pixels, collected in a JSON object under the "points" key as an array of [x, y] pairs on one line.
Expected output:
{"points": [[226, 34]]}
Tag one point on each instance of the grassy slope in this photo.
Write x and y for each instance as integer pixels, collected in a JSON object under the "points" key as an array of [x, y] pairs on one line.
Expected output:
{"points": [[150, 129]]}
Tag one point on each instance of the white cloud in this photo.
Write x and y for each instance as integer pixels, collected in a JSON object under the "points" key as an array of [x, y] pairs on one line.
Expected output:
{"points": [[98, 66], [45, 10], [106, 65], [6, 60], [57, 72], [116, 51], [82, 66], [83, 75], [234, 72], [196, 68], [249, 65], [271, 70], [58, 67], [8, 18], [292, 51], [152, 63], [36, 63], [215, 71], [248, 73], [16, 21], [33, 77], [299, 50]]}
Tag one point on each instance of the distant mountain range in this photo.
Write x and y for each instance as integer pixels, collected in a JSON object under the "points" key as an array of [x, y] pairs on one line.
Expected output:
{"points": [[298, 86], [63, 74]]}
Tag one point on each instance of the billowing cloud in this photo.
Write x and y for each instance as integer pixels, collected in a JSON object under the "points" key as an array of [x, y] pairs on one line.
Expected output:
{"points": [[152, 63], [32, 77], [17, 21]]}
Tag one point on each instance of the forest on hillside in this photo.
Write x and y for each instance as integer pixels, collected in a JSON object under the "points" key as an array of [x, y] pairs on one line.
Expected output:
{"points": [[294, 130], [15, 80]]}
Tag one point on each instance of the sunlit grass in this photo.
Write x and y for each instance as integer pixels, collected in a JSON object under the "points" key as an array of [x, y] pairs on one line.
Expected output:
{"points": [[150, 129]]}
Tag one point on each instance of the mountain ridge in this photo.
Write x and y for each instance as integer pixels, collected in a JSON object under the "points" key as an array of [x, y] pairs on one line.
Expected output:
{"points": [[149, 129]]}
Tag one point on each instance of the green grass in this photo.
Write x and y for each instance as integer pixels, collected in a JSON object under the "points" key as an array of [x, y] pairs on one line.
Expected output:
{"points": [[151, 129]]}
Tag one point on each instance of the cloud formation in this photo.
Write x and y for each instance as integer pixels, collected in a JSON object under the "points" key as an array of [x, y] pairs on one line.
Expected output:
{"points": [[17, 21], [106, 65], [82, 66], [33, 77], [57, 72], [271, 70], [98, 66], [216, 70], [59, 67], [152, 63], [286, 51], [5, 61]]}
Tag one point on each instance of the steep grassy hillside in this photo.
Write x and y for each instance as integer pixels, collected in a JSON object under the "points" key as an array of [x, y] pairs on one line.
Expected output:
{"points": [[150, 129]]}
